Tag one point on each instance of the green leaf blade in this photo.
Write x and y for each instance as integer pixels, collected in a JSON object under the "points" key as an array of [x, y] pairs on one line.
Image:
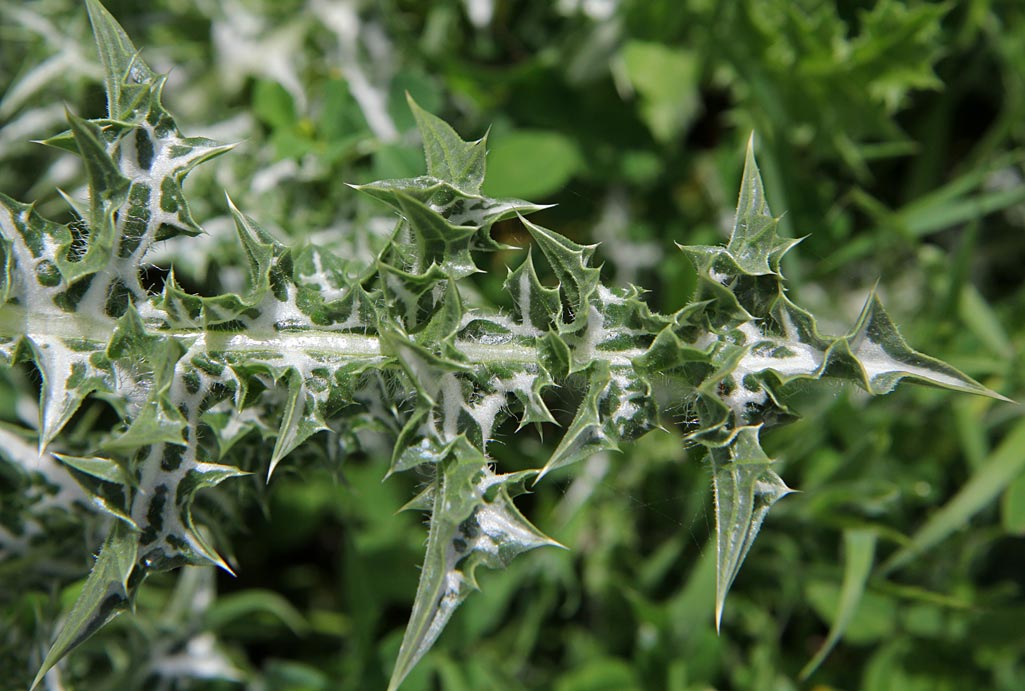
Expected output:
{"points": [[104, 596], [859, 554], [554, 160]]}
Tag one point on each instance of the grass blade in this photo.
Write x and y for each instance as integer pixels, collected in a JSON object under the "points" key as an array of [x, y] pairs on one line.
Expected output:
{"points": [[997, 473], [859, 553]]}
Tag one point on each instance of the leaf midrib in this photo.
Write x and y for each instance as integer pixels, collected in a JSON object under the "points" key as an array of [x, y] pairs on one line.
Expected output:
{"points": [[15, 322]]}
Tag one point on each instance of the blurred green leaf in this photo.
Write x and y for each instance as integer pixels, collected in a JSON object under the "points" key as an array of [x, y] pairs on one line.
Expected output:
{"points": [[531, 164], [978, 316], [859, 553], [273, 104], [229, 608], [600, 675], [1002, 467], [1012, 507], [869, 619], [666, 79]]}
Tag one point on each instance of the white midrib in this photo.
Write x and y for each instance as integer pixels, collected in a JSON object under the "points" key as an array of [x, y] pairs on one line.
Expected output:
{"points": [[14, 322]]}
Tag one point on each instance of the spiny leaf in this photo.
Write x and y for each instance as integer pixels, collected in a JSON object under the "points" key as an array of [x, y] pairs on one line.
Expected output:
{"points": [[108, 187], [746, 487], [68, 378], [104, 469], [539, 307], [754, 243], [473, 523], [159, 421], [261, 252], [258, 248], [436, 242], [885, 357], [717, 272], [174, 157], [108, 190], [413, 447], [423, 367], [668, 351], [146, 139], [446, 320], [103, 597], [300, 421], [34, 245], [127, 77], [571, 264], [458, 207], [7, 266], [587, 434], [534, 408], [450, 158], [106, 481], [398, 348], [411, 299], [132, 341]]}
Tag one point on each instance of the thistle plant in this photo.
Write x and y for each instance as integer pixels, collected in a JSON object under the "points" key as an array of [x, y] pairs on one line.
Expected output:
{"points": [[402, 347]]}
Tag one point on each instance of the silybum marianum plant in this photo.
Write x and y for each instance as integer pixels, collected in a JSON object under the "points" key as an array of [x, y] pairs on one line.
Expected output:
{"points": [[313, 343]]}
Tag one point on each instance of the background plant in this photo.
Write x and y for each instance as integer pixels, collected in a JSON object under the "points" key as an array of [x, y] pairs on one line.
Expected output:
{"points": [[684, 193]]}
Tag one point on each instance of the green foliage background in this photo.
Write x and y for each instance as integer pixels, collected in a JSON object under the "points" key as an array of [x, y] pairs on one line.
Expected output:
{"points": [[891, 133]]}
